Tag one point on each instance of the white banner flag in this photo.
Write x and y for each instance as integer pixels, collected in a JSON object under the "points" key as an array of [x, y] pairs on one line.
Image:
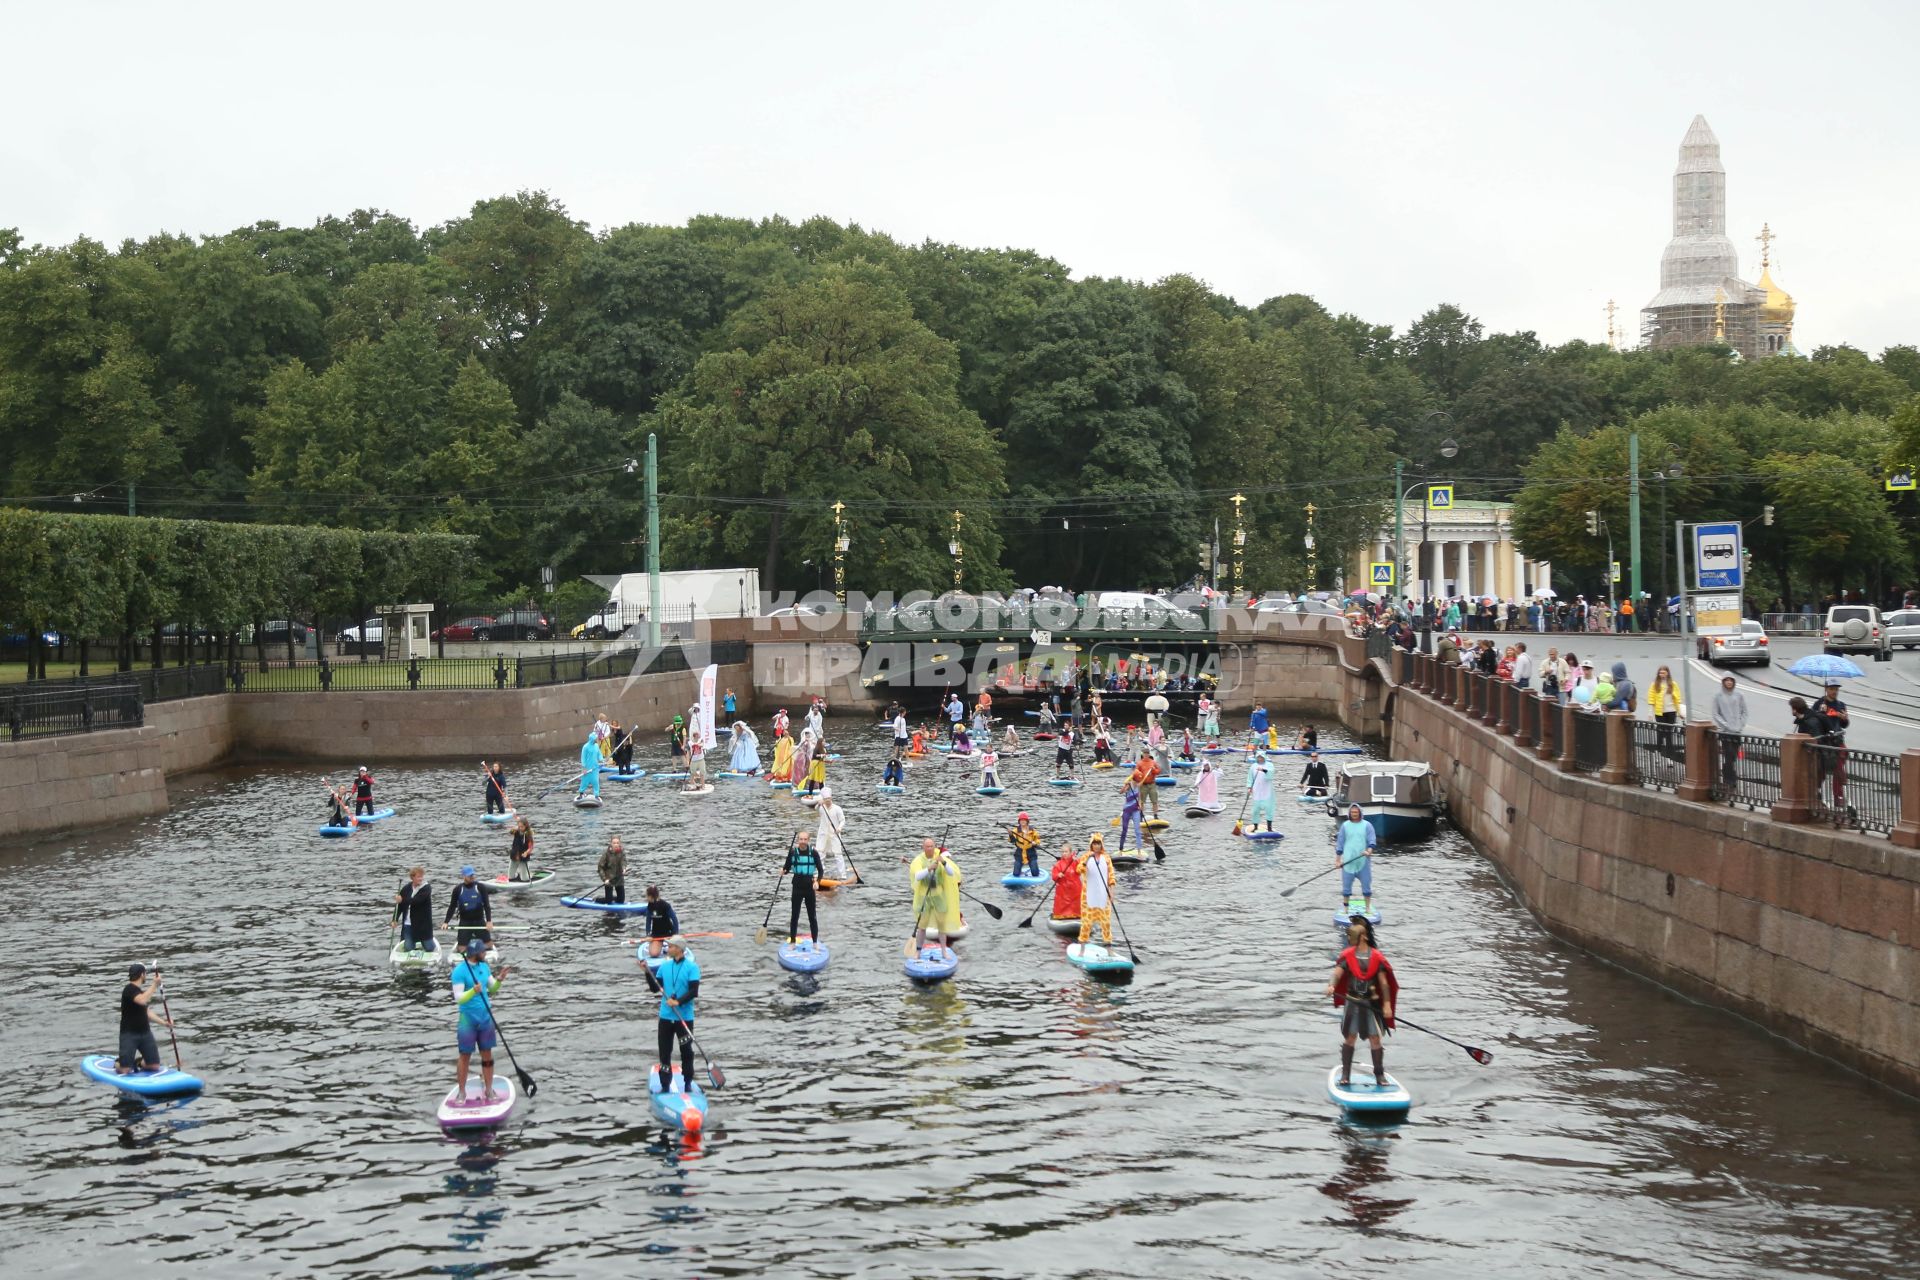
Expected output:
{"points": [[708, 679]]}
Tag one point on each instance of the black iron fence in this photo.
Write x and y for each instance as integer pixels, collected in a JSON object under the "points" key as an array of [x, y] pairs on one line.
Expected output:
{"points": [[1589, 742], [1859, 789], [36, 709], [1659, 754], [1746, 769]]}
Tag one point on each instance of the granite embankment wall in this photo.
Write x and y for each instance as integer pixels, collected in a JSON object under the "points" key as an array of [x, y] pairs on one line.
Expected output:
{"points": [[76, 780], [1808, 931]]}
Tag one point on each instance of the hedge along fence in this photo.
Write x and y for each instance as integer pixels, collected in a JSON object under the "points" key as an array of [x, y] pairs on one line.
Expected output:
{"points": [[90, 576]]}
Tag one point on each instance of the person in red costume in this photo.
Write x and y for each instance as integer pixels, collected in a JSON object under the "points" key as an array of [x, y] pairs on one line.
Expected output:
{"points": [[1066, 883], [1363, 982]]}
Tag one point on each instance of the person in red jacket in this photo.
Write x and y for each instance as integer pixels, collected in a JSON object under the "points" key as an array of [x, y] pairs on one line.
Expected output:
{"points": [[1066, 883], [1363, 982]]}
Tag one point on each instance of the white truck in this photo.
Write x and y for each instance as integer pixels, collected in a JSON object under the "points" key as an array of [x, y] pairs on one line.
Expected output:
{"points": [[685, 595]]}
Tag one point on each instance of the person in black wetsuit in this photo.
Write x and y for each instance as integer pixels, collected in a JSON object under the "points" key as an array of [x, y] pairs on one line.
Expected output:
{"points": [[1313, 779], [362, 792], [337, 815], [622, 748], [1308, 740], [475, 909], [413, 908], [662, 923], [496, 786], [138, 1049], [804, 863]]}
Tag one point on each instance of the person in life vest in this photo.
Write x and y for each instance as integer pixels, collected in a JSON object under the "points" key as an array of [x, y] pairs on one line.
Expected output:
{"points": [[474, 909], [804, 865], [1096, 891], [1142, 777], [1257, 724], [337, 815], [1260, 791], [1065, 873], [936, 894], [1026, 846], [1363, 983], [362, 792], [1102, 741]]}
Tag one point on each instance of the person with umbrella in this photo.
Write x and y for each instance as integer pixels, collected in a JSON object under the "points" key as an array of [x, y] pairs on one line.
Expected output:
{"points": [[1830, 714]]}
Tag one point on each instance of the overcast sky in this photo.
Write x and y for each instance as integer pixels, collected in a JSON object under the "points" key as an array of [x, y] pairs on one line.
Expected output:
{"points": [[1513, 159]]}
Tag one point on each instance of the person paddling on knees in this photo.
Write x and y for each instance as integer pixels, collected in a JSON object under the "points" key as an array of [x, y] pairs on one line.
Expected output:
{"points": [[804, 865], [1353, 842], [475, 909], [337, 815], [612, 870], [1363, 982], [1314, 780], [662, 922], [678, 982], [413, 908], [138, 1049], [475, 987]]}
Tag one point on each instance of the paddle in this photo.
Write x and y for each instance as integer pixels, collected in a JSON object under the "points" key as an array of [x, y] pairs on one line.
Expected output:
{"points": [[167, 1014], [1288, 893], [711, 933], [485, 928], [760, 934], [559, 785], [583, 897], [1243, 810], [715, 1076], [992, 910], [526, 1081], [1113, 905], [1480, 1056], [840, 839]]}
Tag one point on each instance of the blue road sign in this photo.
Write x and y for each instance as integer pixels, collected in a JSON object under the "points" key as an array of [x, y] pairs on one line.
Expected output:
{"points": [[1717, 562]]}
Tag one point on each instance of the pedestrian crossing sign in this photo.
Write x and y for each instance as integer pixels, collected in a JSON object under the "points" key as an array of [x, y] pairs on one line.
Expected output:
{"points": [[1439, 497], [1382, 573], [1900, 480]]}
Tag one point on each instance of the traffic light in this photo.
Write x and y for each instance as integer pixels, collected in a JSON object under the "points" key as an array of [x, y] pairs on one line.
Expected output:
{"points": [[1593, 523], [1766, 514]]}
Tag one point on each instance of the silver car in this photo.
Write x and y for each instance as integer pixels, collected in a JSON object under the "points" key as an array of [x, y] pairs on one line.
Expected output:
{"points": [[1854, 628], [1903, 628], [1747, 645]]}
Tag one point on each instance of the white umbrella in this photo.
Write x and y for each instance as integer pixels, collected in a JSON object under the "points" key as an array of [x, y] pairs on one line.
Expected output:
{"points": [[1545, 593]]}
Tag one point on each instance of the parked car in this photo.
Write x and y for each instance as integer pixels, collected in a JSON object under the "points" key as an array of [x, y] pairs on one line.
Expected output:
{"points": [[1903, 628], [517, 624], [16, 639], [799, 611], [275, 632], [1130, 608], [373, 629], [1854, 628], [465, 629], [1748, 646]]}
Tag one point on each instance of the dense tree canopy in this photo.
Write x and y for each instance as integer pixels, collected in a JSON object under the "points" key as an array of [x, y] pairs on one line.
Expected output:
{"points": [[498, 375]]}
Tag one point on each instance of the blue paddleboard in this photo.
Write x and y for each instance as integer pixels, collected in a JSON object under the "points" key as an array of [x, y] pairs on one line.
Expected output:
{"points": [[146, 1084]]}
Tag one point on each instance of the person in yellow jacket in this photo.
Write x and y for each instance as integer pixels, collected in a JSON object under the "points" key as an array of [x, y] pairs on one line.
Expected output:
{"points": [[1096, 890], [1026, 847], [1663, 700], [936, 893]]}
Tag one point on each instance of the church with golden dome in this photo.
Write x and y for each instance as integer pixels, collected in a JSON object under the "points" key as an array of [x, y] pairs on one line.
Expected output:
{"points": [[1702, 299]]}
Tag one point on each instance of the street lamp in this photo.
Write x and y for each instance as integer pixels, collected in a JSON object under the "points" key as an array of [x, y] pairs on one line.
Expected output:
{"points": [[1448, 448], [1672, 471], [1239, 542], [1313, 564], [839, 555], [953, 548]]}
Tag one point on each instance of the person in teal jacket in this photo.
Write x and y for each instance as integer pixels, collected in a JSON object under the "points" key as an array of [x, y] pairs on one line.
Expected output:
{"points": [[678, 982], [590, 767], [474, 987]]}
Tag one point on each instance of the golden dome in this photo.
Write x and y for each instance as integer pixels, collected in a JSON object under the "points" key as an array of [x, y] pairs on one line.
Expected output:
{"points": [[1778, 308]]}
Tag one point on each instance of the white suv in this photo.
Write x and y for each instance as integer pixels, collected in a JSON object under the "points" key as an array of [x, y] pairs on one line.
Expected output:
{"points": [[1855, 628]]}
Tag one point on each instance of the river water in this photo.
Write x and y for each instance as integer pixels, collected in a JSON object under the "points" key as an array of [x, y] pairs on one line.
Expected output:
{"points": [[1020, 1120]]}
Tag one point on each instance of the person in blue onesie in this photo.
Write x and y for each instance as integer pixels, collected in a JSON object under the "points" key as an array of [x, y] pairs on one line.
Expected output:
{"points": [[590, 767]]}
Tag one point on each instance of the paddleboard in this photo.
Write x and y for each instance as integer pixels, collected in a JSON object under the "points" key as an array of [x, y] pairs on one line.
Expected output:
{"points": [[498, 819], [915, 755], [1103, 764], [378, 815], [1266, 835], [1203, 811], [146, 1084], [1043, 737], [931, 964], [989, 791], [652, 962], [1311, 799], [1186, 764], [1095, 958], [1156, 824], [1356, 907], [810, 799], [826, 884], [1307, 751], [474, 1113], [888, 789], [1215, 751], [402, 956], [684, 1106], [835, 755], [612, 908], [781, 786], [504, 883], [1131, 861], [1064, 924], [1367, 1094], [586, 800], [1165, 780], [805, 956], [1023, 882], [966, 927], [629, 776], [337, 832], [731, 773], [705, 789], [1064, 782]]}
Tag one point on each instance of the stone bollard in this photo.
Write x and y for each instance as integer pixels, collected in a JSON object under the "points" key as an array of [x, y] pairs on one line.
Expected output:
{"points": [[1906, 832], [1549, 707], [1796, 780], [1565, 762], [1502, 709], [1619, 748], [1702, 752]]}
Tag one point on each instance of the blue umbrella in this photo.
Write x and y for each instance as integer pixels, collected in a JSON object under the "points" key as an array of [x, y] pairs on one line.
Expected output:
{"points": [[1825, 666]]}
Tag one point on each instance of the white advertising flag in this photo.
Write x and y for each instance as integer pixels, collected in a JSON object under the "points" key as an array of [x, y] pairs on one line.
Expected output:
{"points": [[708, 679]]}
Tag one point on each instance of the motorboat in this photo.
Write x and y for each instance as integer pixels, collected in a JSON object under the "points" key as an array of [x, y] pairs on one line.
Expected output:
{"points": [[1400, 797]]}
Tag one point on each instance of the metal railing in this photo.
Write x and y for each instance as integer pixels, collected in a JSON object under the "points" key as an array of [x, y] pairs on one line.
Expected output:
{"points": [[1791, 621], [34, 710], [1859, 789], [1659, 754], [1589, 741], [1746, 770]]}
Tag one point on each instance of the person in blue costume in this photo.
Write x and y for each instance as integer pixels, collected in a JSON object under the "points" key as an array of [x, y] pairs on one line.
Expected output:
{"points": [[1353, 843], [1258, 724], [474, 987], [746, 750], [678, 982], [590, 767], [1130, 817]]}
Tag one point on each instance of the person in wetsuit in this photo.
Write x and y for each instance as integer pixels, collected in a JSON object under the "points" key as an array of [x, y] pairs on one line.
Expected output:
{"points": [[662, 922], [804, 863]]}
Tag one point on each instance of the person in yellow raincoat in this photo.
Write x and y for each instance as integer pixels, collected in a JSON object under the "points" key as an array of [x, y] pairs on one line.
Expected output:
{"points": [[1096, 890], [782, 759], [936, 893]]}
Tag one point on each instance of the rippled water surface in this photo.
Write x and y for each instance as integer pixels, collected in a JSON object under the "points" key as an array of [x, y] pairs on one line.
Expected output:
{"points": [[1020, 1120]]}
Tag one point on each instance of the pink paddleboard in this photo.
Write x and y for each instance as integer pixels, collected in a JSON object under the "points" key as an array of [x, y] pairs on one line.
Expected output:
{"points": [[455, 1114]]}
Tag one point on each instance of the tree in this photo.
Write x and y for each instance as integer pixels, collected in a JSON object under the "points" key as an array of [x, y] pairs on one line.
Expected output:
{"points": [[1840, 531]]}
